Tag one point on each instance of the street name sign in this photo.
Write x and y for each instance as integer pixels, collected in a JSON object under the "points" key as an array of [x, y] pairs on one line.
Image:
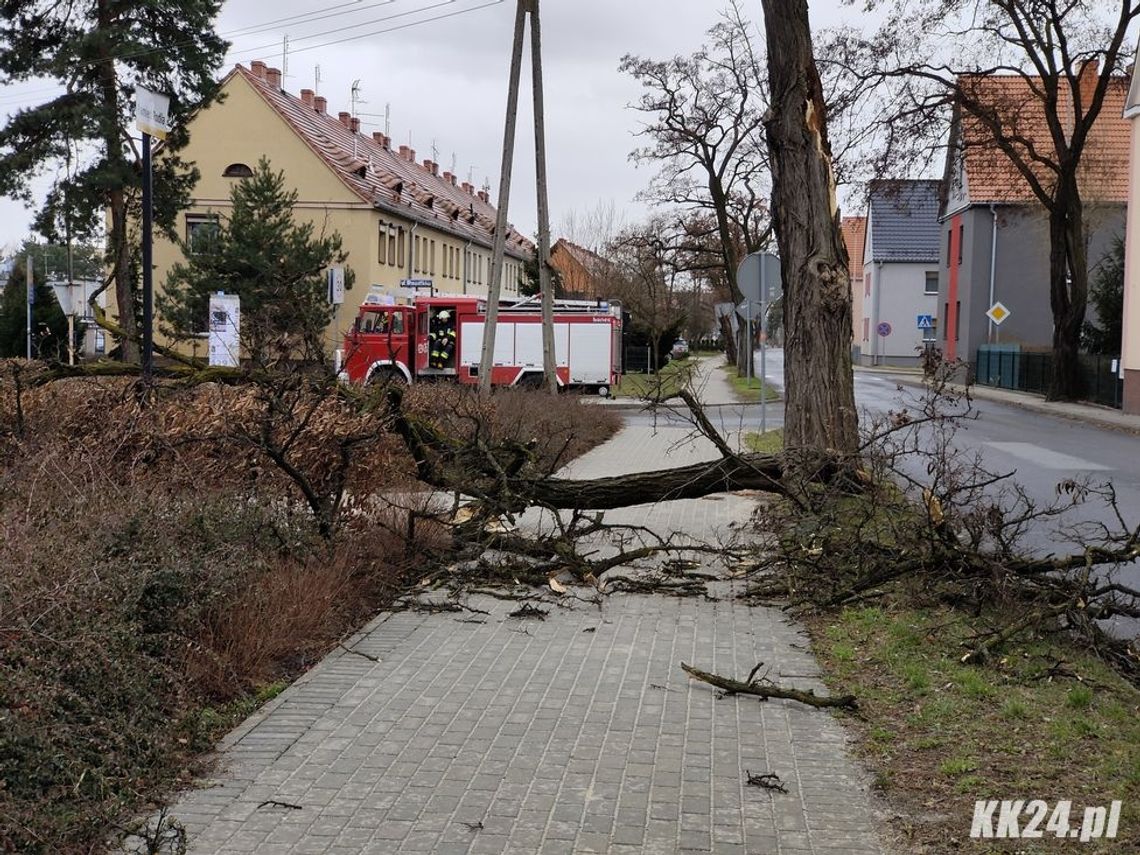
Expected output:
{"points": [[152, 113]]}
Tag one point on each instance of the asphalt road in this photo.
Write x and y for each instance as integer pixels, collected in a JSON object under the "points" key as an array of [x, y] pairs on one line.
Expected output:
{"points": [[1037, 450]]}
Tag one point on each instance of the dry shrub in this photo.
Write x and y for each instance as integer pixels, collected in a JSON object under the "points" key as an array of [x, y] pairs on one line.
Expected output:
{"points": [[560, 426], [125, 609], [157, 562], [286, 619]]}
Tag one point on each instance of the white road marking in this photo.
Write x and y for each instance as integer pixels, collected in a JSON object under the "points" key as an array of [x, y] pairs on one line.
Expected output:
{"points": [[1044, 458]]}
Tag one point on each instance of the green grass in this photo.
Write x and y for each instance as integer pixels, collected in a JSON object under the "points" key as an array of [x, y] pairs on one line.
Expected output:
{"points": [[765, 443], [750, 389], [666, 383], [936, 731]]}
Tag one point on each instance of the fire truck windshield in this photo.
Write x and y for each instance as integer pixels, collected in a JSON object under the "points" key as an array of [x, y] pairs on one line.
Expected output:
{"points": [[382, 322]]}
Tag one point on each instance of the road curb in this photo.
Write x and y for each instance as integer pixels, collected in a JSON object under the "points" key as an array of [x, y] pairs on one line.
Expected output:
{"points": [[1033, 405]]}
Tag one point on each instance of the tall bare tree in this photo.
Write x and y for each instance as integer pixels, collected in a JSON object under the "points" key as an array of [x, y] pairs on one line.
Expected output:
{"points": [[651, 281], [704, 123], [928, 64], [820, 410]]}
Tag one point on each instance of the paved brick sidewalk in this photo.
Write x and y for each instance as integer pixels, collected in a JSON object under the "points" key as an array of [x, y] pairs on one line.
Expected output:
{"points": [[482, 733]]}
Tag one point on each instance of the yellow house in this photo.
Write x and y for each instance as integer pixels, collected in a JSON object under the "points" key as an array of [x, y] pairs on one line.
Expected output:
{"points": [[399, 219]]}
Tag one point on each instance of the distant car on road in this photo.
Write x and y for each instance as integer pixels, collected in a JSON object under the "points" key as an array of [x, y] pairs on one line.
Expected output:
{"points": [[680, 349]]}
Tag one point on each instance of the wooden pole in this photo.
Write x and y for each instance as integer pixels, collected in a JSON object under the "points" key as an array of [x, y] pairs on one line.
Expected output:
{"points": [[500, 244], [549, 353]]}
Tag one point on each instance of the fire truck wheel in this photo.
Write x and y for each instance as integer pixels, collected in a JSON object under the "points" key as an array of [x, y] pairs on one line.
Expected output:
{"points": [[603, 391], [386, 377]]}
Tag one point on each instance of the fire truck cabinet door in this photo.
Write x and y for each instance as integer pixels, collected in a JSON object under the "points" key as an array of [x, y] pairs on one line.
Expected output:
{"points": [[421, 340]]}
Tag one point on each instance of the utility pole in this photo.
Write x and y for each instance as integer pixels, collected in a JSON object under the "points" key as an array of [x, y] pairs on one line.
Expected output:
{"points": [[500, 244], [524, 8], [548, 351]]}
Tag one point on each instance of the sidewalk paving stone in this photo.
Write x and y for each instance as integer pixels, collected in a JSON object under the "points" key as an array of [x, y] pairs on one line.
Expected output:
{"points": [[577, 733]]}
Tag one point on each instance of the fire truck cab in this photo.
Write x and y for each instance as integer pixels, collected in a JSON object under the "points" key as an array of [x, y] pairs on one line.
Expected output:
{"points": [[442, 338]]}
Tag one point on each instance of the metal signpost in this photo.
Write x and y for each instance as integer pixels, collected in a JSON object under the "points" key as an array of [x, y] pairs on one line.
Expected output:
{"points": [[30, 298], [152, 117], [755, 276], [997, 313]]}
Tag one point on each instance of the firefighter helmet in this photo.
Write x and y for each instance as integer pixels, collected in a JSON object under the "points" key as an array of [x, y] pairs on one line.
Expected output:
{"points": [[444, 315]]}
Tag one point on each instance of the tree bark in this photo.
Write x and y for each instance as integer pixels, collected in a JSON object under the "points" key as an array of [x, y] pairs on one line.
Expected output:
{"points": [[117, 242], [1068, 291], [820, 396], [747, 472]]}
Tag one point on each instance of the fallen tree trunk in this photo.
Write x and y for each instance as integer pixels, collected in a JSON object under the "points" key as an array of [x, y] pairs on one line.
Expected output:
{"points": [[498, 476], [746, 472]]}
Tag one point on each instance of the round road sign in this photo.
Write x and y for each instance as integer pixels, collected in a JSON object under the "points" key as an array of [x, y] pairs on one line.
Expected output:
{"points": [[883, 329]]}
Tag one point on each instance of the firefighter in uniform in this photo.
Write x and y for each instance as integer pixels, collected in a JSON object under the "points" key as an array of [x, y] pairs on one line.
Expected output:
{"points": [[441, 339]]}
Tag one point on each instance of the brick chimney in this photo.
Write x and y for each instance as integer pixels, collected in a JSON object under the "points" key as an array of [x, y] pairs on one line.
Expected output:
{"points": [[344, 117], [412, 155], [273, 77], [354, 125], [378, 138], [307, 97], [257, 67], [447, 176], [1087, 79], [404, 152], [468, 188], [320, 104], [484, 196]]}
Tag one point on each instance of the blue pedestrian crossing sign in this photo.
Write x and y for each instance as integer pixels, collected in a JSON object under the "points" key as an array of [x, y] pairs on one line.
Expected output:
{"points": [[926, 322]]}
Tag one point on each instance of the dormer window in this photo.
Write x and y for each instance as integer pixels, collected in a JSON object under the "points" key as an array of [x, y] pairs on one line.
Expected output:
{"points": [[237, 170]]}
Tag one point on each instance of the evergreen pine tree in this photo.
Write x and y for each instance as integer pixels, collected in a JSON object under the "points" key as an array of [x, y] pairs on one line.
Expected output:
{"points": [[49, 325], [274, 265], [98, 52], [530, 284]]}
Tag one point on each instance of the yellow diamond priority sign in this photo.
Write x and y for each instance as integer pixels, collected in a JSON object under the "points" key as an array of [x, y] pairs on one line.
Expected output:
{"points": [[997, 313]]}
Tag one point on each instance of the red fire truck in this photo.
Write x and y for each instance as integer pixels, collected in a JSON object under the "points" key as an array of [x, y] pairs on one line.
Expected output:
{"points": [[442, 338]]}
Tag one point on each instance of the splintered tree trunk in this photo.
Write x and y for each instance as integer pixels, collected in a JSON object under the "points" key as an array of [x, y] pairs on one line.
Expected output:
{"points": [[820, 394]]}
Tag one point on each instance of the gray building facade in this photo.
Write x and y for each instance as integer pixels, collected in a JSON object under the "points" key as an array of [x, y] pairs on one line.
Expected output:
{"points": [[1000, 253]]}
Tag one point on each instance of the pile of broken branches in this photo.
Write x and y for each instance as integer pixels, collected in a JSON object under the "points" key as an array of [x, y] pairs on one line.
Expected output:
{"points": [[936, 526]]}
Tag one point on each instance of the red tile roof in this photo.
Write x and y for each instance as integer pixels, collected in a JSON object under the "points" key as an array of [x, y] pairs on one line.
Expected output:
{"points": [[585, 257], [854, 234], [992, 177], [390, 180]]}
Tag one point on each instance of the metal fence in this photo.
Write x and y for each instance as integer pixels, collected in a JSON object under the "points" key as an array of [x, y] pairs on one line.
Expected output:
{"points": [[1009, 367]]}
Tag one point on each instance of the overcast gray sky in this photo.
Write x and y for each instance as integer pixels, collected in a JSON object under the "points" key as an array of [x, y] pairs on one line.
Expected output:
{"points": [[445, 82]]}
